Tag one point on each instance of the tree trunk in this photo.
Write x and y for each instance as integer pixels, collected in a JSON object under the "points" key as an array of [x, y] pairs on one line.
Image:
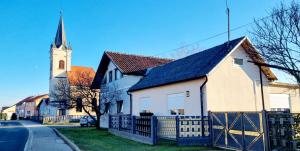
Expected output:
{"points": [[98, 122]]}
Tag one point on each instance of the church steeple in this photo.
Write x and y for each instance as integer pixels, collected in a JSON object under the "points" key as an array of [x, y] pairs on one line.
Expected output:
{"points": [[60, 38]]}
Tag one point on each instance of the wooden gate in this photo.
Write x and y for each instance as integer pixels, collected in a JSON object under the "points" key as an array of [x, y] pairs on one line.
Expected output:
{"points": [[238, 130]]}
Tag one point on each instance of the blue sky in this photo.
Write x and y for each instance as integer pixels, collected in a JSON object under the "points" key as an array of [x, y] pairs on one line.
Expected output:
{"points": [[148, 27]]}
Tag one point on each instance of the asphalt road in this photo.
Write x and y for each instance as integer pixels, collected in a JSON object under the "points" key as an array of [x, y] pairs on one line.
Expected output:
{"points": [[13, 136]]}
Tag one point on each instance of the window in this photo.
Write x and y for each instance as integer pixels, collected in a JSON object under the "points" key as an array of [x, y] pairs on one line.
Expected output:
{"points": [[280, 102], [145, 105], [116, 74], [107, 106], [176, 104], [79, 105], [104, 80], [61, 64], [119, 106], [110, 76], [238, 61], [94, 104]]}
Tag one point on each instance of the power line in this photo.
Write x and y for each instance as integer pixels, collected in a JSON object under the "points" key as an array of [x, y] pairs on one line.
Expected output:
{"points": [[217, 35]]}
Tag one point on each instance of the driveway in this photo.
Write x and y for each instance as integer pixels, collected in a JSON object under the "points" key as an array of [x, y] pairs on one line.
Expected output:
{"points": [[13, 136]]}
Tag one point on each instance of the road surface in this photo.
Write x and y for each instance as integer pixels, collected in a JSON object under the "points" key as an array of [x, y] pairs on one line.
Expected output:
{"points": [[13, 136]]}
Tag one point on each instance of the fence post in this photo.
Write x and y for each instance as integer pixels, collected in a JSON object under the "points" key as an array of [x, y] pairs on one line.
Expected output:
{"points": [[243, 131], [265, 130], [153, 129], [210, 128], [177, 128], [120, 120], [133, 124], [109, 121]]}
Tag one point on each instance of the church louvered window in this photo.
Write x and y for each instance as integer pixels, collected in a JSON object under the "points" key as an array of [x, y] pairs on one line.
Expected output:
{"points": [[61, 64]]}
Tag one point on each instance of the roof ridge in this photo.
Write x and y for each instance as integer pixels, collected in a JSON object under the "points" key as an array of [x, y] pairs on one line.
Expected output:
{"points": [[124, 53]]}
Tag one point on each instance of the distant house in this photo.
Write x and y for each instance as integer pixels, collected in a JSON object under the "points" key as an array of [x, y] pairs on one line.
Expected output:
{"points": [[116, 73], [8, 111], [45, 109], [216, 79], [28, 106]]}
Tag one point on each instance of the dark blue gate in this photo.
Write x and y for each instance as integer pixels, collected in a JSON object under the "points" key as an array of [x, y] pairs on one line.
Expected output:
{"points": [[237, 130]]}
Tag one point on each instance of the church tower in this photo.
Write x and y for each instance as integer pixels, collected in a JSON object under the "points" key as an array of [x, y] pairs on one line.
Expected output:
{"points": [[60, 57]]}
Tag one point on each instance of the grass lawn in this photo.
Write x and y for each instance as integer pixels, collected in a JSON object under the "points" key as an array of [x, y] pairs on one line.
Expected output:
{"points": [[90, 139]]}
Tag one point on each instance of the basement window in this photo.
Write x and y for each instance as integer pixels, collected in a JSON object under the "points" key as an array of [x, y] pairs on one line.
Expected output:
{"points": [[238, 61]]}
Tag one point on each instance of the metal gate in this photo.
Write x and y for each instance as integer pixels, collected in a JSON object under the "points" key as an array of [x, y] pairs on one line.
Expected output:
{"points": [[238, 130]]}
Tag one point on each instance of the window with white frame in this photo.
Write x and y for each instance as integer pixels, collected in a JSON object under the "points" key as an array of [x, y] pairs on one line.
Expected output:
{"points": [[280, 102], [145, 105], [176, 104], [238, 61]]}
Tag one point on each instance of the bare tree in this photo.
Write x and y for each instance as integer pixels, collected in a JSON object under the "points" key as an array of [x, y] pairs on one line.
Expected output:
{"points": [[109, 95], [75, 92], [278, 38]]}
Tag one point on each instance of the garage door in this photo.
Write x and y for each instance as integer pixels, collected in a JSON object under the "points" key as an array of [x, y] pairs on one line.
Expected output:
{"points": [[280, 102]]}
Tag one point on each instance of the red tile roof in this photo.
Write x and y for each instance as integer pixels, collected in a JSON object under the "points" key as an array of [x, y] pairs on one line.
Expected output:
{"points": [[33, 99], [84, 72], [129, 63]]}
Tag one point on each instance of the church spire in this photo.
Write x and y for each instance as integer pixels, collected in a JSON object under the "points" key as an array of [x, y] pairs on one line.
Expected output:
{"points": [[60, 38]]}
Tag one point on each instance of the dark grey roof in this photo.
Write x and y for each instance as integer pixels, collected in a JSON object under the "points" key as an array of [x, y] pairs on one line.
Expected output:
{"points": [[60, 38], [191, 67]]}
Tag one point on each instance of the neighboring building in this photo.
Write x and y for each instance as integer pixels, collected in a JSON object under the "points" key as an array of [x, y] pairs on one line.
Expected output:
{"points": [[61, 69], [28, 106], [116, 73], [45, 109], [216, 79], [9, 111]]}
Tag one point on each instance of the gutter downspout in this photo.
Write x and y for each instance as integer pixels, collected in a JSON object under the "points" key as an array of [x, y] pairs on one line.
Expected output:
{"points": [[130, 101], [202, 105]]}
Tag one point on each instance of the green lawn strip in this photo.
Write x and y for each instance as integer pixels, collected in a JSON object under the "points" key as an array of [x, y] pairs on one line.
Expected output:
{"points": [[90, 139]]}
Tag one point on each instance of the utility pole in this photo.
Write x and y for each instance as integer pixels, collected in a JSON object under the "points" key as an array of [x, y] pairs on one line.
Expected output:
{"points": [[228, 21]]}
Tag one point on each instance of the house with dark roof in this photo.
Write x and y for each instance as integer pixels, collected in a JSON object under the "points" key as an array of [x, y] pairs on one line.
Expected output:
{"points": [[221, 78], [116, 73]]}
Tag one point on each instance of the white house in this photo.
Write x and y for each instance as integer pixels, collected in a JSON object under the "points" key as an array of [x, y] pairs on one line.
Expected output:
{"points": [[217, 79], [9, 111], [116, 73]]}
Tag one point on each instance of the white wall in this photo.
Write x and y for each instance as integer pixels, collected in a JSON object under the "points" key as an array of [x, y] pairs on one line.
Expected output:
{"points": [[57, 54], [122, 85], [232, 87], [9, 111], [293, 94], [158, 97]]}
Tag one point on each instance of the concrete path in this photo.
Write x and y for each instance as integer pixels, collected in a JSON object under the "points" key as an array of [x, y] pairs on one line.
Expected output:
{"points": [[13, 136], [43, 138]]}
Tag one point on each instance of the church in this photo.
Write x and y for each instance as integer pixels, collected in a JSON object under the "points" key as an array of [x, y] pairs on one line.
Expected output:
{"points": [[61, 69]]}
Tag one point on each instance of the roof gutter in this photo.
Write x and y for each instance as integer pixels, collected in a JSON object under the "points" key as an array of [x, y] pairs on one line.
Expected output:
{"points": [[202, 104], [130, 101]]}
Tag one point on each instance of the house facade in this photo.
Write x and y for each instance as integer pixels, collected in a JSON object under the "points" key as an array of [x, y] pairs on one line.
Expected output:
{"points": [[217, 79], [28, 106], [9, 111], [116, 73]]}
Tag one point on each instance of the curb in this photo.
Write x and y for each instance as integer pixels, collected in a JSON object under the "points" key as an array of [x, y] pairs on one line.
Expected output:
{"points": [[28, 144], [66, 140]]}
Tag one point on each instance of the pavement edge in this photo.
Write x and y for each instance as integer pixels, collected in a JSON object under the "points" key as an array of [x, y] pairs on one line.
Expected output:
{"points": [[66, 140], [28, 144]]}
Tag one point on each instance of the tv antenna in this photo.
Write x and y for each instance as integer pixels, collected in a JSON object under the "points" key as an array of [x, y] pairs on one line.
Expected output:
{"points": [[228, 21]]}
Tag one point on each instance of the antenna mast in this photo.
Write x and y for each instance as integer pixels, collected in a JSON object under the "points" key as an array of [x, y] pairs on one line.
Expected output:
{"points": [[228, 21]]}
